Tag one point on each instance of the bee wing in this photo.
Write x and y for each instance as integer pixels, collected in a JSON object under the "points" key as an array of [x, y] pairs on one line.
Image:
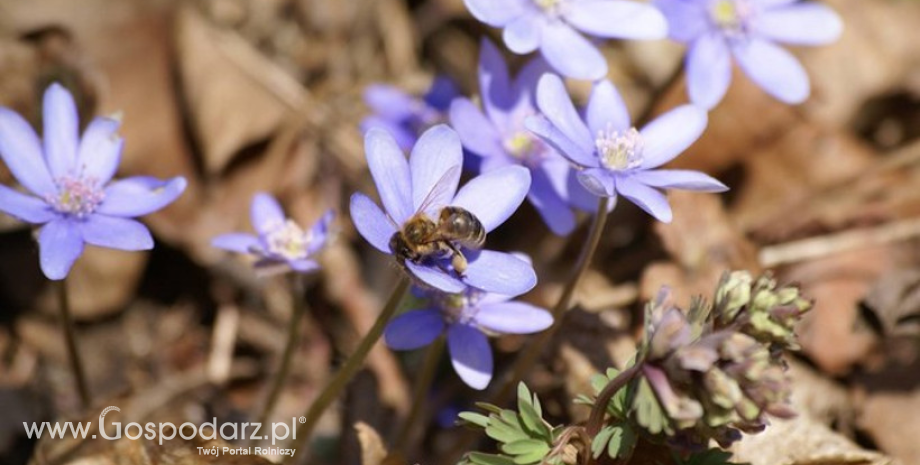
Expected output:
{"points": [[440, 190]]}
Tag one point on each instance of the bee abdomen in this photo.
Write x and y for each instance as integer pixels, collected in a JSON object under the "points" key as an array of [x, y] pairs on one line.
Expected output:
{"points": [[462, 227]]}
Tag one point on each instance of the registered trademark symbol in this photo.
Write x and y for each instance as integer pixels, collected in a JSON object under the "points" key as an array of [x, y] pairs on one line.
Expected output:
{"points": [[303, 419]]}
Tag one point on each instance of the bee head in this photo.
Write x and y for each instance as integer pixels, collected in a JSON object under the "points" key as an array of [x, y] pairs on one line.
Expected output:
{"points": [[400, 248]]}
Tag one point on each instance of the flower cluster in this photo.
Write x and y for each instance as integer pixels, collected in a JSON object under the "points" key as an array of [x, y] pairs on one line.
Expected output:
{"points": [[68, 179], [467, 318], [279, 243], [716, 370]]}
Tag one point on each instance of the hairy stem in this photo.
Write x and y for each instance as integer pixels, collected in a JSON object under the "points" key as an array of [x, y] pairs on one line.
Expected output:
{"points": [[350, 368], [298, 310], [76, 363], [529, 355], [599, 410], [420, 393]]}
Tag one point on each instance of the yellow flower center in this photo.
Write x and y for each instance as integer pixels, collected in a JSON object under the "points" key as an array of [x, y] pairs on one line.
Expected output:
{"points": [[619, 151], [288, 241]]}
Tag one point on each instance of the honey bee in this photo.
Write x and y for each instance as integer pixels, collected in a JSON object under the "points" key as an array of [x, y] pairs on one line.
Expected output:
{"points": [[422, 237]]}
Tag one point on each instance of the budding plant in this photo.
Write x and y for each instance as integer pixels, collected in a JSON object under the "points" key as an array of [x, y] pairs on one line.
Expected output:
{"points": [[701, 375]]}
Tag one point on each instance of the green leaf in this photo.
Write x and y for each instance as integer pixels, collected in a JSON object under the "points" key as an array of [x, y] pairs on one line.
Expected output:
{"points": [[533, 455], [534, 422], [525, 446], [505, 433], [622, 441], [489, 407], [649, 413], [599, 443], [489, 459], [474, 418], [710, 457]]}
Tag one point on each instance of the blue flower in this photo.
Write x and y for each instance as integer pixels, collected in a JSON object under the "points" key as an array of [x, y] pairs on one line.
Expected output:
{"points": [[68, 178], [619, 159], [406, 116], [425, 184], [555, 26], [467, 318], [279, 240], [716, 30], [500, 138]]}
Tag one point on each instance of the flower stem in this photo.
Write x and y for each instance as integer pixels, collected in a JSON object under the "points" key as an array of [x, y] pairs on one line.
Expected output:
{"points": [[76, 364], [529, 355], [298, 310], [599, 410], [351, 366], [420, 393]]}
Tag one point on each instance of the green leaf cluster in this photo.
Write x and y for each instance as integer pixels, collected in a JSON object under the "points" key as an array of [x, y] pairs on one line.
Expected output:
{"points": [[524, 437]]}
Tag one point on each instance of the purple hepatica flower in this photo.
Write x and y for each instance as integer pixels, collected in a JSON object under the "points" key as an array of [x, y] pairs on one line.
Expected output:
{"points": [[280, 244], [423, 186], [467, 317], [500, 138], [553, 26], [717, 29], [69, 178], [406, 116], [620, 160]]}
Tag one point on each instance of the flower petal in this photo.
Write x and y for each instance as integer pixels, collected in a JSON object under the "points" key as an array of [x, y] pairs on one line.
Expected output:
{"points": [[554, 210], [441, 92], [319, 232], [22, 152], [470, 355], [496, 14], [570, 53], [686, 20], [61, 131], [775, 70], [25, 207], [770, 4], [371, 222], [405, 138], [680, 179], [434, 277], [598, 181], [494, 196], [237, 242], [545, 130], [523, 35], [477, 133], [59, 246], [100, 150], [266, 213], [556, 105], [653, 202], [140, 195], [709, 70], [389, 102], [499, 272], [390, 171], [617, 19], [434, 164], [116, 233], [801, 24], [414, 329], [606, 109], [494, 81], [514, 318], [671, 133], [303, 265]]}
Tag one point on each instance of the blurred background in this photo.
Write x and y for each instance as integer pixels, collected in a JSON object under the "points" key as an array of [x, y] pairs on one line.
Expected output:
{"points": [[241, 96]]}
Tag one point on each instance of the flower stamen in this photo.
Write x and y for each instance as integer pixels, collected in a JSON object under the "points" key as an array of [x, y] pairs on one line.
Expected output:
{"points": [[77, 197], [732, 16], [619, 151], [289, 241]]}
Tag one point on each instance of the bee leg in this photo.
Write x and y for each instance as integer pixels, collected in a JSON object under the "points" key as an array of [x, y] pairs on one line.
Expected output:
{"points": [[457, 260]]}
